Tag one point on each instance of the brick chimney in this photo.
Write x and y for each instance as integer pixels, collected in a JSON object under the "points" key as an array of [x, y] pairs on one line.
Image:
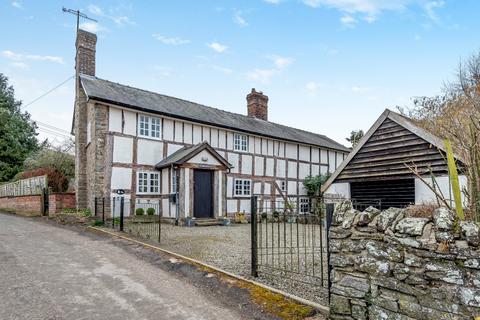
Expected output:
{"points": [[85, 58], [257, 104]]}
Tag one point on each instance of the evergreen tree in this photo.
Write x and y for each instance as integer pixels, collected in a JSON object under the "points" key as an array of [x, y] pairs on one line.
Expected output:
{"points": [[17, 132]]}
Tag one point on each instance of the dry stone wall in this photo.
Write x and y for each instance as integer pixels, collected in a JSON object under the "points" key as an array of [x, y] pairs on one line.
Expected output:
{"points": [[389, 266]]}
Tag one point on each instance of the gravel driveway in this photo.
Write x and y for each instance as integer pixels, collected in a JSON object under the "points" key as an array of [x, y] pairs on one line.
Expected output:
{"points": [[228, 248], [48, 272]]}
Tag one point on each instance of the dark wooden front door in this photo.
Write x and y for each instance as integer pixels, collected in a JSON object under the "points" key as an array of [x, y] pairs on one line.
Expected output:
{"points": [[202, 193]]}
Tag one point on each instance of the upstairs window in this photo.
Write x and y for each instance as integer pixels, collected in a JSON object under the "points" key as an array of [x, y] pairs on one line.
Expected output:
{"points": [[242, 187], [148, 126], [148, 182], [283, 185], [240, 142]]}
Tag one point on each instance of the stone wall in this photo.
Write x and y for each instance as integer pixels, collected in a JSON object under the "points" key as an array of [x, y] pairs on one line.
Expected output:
{"points": [[27, 205], [389, 266], [59, 201]]}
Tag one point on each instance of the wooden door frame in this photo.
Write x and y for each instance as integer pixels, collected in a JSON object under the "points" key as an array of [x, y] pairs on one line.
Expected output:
{"points": [[212, 207]]}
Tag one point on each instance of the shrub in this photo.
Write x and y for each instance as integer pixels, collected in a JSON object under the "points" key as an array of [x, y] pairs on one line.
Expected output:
{"points": [[97, 223], [139, 212], [150, 211]]}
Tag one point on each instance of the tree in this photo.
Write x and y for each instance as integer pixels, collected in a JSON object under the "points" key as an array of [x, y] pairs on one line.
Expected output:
{"points": [[455, 115], [355, 137], [53, 156], [17, 132], [313, 184]]}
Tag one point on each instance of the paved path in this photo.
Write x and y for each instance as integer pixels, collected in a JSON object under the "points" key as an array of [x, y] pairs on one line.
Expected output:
{"points": [[49, 272]]}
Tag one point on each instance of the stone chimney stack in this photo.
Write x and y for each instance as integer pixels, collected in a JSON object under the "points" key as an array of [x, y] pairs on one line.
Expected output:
{"points": [[85, 58], [257, 104]]}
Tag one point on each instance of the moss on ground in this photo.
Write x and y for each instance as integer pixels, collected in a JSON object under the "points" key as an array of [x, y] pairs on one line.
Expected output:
{"points": [[273, 303]]}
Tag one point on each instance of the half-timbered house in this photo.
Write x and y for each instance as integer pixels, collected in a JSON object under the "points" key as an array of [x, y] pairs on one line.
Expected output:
{"points": [[196, 160]]}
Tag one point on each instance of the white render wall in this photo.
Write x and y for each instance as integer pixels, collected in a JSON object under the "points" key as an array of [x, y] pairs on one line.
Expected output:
{"points": [[339, 189], [423, 194], [266, 160]]}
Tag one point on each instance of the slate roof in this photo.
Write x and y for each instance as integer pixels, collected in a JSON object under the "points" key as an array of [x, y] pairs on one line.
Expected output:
{"points": [[186, 153], [126, 96]]}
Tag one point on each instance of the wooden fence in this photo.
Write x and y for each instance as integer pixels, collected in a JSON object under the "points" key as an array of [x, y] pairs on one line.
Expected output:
{"points": [[24, 187]]}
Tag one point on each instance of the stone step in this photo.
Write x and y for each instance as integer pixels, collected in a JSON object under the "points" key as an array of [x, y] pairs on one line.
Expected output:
{"points": [[207, 222]]}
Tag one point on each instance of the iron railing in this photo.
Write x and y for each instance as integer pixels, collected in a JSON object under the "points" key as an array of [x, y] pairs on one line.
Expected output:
{"points": [[362, 204], [142, 218], [289, 239]]}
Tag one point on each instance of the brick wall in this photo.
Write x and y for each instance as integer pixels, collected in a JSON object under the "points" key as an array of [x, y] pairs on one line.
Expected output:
{"points": [[29, 205], [59, 201]]}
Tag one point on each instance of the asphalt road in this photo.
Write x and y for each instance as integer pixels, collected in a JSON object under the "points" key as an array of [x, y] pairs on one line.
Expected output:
{"points": [[50, 272]]}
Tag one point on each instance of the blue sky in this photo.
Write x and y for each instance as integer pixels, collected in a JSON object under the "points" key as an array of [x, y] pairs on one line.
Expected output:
{"points": [[328, 66]]}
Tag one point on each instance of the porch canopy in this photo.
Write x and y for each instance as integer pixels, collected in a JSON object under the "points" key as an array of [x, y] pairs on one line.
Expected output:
{"points": [[207, 157]]}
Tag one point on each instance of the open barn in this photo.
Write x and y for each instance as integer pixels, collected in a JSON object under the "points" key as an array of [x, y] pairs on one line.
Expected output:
{"points": [[380, 169]]}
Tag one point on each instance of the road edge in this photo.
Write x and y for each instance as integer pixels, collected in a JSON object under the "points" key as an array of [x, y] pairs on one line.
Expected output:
{"points": [[322, 309]]}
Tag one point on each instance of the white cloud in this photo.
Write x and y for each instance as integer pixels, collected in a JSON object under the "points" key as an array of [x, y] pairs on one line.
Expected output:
{"points": [[92, 26], [280, 62], [368, 9], [119, 20], [34, 57], [95, 10], [272, 1], [20, 65], [17, 5], [313, 86], [220, 48], [348, 21], [174, 41], [262, 75], [430, 8], [265, 75], [239, 19]]}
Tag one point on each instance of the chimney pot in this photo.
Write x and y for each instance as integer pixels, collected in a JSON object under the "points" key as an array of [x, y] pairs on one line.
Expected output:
{"points": [[257, 105]]}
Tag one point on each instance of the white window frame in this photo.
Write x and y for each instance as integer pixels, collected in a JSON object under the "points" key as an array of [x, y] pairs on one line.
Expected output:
{"points": [[174, 185], [149, 127], [240, 142], [244, 187], [148, 180], [303, 205], [283, 185]]}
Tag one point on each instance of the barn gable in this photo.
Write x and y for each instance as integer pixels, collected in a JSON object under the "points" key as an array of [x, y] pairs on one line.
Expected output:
{"points": [[377, 167], [385, 153]]}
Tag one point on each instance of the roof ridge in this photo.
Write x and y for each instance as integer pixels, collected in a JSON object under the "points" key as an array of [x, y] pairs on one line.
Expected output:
{"points": [[339, 145]]}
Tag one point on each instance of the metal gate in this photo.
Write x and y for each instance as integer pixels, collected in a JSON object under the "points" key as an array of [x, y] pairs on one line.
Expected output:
{"points": [[289, 238], [142, 218]]}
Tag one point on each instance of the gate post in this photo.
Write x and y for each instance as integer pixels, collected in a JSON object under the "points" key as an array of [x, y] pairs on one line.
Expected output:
{"points": [[121, 212], [330, 208], [253, 225], [160, 213], [103, 210]]}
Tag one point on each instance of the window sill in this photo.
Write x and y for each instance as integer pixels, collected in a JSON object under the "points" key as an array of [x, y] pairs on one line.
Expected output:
{"points": [[149, 138]]}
